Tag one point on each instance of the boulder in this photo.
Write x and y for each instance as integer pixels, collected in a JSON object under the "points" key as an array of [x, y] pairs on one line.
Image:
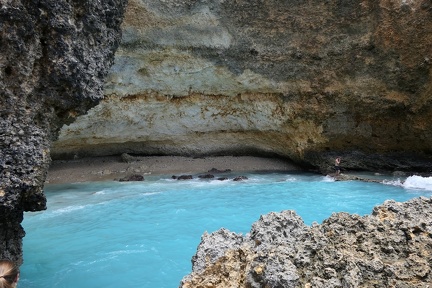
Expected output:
{"points": [[184, 177], [134, 177], [390, 247], [206, 176]]}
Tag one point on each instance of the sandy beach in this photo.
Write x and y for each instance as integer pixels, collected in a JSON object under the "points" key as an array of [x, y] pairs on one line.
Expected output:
{"points": [[116, 167]]}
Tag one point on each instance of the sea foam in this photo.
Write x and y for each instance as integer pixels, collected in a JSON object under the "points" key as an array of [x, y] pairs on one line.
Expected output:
{"points": [[418, 182], [413, 182]]}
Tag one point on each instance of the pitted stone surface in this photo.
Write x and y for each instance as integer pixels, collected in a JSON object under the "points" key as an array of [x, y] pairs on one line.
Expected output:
{"points": [[392, 247], [55, 56]]}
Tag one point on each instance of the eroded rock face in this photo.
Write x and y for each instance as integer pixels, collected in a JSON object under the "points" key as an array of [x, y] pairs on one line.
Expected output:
{"points": [[304, 80], [54, 58], [392, 247]]}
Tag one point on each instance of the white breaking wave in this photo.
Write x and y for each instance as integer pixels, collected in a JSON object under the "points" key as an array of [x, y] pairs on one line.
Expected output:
{"points": [[146, 194], [102, 192], [328, 178], [61, 211], [120, 252], [413, 182], [418, 182], [69, 209]]}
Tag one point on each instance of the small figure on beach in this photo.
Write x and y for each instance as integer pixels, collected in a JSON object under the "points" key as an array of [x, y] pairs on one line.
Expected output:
{"points": [[9, 274], [337, 165]]}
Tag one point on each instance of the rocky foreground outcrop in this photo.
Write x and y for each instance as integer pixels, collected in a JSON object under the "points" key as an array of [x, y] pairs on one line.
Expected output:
{"points": [[55, 55], [392, 247], [304, 80]]}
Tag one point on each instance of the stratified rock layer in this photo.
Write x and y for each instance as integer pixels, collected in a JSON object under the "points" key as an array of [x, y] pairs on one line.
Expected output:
{"points": [[55, 55], [305, 80], [390, 248]]}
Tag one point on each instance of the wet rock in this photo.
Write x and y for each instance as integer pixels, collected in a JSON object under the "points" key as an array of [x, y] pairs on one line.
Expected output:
{"points": [[214, 170], [240, 178], [135, 177], [348, 177], [206, 176], [184, 177]]}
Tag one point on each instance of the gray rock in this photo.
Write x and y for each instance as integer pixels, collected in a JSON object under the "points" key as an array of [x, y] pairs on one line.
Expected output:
{"points": [[128, 158], [390, 247], [55, 56], [213, 246], [134, 177]]}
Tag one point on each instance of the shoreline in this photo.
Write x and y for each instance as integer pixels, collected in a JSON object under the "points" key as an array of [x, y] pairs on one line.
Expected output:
{"points": [[112, 168]]}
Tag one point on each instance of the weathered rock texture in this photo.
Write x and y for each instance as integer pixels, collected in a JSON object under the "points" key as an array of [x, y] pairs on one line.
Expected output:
{"points": [[306, 80], [54, 57], [390, 248]]}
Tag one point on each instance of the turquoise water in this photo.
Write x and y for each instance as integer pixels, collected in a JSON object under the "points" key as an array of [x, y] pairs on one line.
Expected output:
{"points": [[143, 234]]}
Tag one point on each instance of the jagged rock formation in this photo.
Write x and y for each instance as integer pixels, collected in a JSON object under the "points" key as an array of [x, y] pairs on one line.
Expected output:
{"points": [[305, 80], [55, 55], [392, 247]]}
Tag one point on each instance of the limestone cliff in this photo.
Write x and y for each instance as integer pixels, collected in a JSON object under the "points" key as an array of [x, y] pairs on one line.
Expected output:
{"points": [[55, 55], [390, 248], [305, 80]]}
